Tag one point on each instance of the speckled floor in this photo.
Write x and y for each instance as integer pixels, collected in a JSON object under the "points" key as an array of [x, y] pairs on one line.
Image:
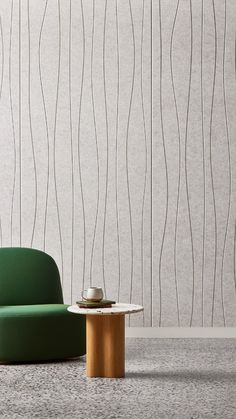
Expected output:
{"points": [[165, 378]]}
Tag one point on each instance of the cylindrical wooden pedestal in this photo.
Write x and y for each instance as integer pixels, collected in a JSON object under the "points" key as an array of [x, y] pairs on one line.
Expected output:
{"points": [[105, 345]]}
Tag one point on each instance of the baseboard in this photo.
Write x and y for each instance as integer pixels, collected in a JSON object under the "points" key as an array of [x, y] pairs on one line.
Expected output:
{"points": [[180, 332]]}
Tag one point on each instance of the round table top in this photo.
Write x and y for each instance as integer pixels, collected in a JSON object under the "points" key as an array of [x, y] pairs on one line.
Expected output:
{"points": [[118, 308]]}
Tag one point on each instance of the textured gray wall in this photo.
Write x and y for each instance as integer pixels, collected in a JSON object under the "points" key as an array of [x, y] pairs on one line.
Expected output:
{"points": [[118, 147]]}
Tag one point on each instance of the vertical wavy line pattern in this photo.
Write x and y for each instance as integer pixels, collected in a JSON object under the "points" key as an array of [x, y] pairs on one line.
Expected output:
{"points": [[211, 163], [154, 125], [31, 129], [54, 140], [179, 161], [166, 169], [96, 144], [116, 164], [145, 165], [13, 125], [127, 153], [203, 166], [185, 156], [72, 159], [229, 169], [107, 146], [79, 128], [46, 124], [151, 162]]}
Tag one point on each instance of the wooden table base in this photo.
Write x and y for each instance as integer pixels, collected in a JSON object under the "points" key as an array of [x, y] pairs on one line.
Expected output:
{"points": [[105, 339]]}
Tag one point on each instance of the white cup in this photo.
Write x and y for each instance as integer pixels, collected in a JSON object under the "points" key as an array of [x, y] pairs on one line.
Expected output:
{"points": [[92, 294]]}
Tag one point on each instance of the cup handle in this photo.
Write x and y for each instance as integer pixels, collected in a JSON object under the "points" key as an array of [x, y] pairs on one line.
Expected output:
{"points": [[82, 295]]}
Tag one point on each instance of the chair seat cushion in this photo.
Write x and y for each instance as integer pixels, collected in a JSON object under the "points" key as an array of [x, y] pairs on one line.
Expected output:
{"points": [[40, 332]]}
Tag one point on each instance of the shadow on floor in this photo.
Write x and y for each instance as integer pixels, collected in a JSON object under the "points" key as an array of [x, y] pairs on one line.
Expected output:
{"points": [[80, 359], [186, 375]]}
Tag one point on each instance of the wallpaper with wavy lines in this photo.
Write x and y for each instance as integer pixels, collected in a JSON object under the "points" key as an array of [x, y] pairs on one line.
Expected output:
{"points": [[118, 149]]}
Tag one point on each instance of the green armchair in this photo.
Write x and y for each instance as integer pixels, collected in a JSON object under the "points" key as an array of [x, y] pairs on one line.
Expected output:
{"points": [[34, 323]]}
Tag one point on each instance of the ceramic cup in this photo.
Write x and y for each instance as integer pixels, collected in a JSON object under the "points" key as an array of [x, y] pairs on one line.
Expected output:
{"points": [[92, 294]]}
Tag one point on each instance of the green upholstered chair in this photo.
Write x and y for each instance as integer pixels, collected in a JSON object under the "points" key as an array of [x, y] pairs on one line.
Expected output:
{"points": [[34, 323]]}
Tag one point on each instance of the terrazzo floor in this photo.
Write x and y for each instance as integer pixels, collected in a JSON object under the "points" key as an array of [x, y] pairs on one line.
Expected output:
{"points": [[165, 378]]}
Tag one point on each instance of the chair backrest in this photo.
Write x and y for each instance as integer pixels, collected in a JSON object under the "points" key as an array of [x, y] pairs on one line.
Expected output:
{"points": [[28, 276]]}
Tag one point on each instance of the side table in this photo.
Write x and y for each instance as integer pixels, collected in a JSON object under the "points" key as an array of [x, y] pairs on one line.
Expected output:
{"points": [[105, 338]]}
